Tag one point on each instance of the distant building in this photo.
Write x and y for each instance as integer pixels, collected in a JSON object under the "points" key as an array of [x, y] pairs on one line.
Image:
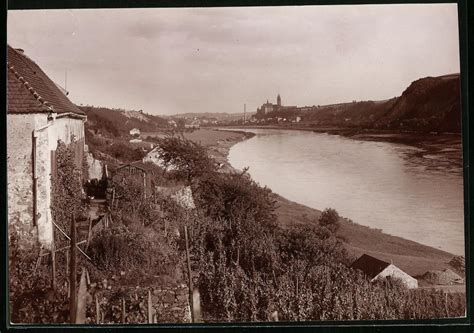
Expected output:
{"points": [[136, 140], [172, 123], [134, 131], [377, 269], [269, 107]]}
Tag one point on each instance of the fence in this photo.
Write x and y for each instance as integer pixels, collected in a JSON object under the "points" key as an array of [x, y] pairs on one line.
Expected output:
{"points": [[95, 302]]}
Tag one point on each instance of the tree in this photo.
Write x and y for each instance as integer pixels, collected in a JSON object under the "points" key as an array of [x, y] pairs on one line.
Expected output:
{"points": [[330, 219], [189, 159]]}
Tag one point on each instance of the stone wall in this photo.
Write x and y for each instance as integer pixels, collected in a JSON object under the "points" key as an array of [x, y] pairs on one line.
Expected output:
{"points": [[169, 305], [20, 174]]}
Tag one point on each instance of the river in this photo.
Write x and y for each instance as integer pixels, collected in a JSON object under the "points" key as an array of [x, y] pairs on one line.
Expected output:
{"points": [[373, 183]]}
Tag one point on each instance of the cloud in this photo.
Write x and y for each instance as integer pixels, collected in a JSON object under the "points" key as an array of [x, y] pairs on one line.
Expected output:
{"points": [[174, 60]]}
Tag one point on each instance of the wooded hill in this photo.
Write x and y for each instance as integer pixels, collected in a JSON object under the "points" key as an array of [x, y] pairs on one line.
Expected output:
{"points": [[117, 122], [430, 104]]}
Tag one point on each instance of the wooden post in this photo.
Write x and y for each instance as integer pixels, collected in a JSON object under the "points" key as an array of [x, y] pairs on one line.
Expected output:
{"points": [[72, 273], [123, 311], [67, 274], [150, 308], [89, 233], [53, 267], [446, 304], [190, 286], [67, 261], [196, 306], [38, 262], [81, 299], [97, 310]]}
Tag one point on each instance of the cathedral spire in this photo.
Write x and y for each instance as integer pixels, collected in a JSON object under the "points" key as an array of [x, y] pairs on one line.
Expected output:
{"points": [[278, 100]]}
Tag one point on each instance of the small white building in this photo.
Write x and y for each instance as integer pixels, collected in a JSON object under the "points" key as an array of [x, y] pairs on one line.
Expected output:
{"points": [[377, 269], [134, 131]]}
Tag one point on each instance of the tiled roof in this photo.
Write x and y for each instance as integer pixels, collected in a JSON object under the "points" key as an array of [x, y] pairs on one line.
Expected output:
{"points": [[30, 90], [369, 265]]}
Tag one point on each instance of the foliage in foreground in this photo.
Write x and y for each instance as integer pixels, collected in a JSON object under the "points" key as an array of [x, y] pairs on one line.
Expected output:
{"points": [[245, 266]]}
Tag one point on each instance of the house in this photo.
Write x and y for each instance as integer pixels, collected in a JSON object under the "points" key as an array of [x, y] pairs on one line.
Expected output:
{"points": [[38, 115], [142, 172], [377, 269], [135, 132], [444, 277]]}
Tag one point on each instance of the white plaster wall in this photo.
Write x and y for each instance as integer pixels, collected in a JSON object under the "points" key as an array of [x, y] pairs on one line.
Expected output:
{"points": [[20, 174], [395, 272], [20, 129], [63, 128], [43, 172]]}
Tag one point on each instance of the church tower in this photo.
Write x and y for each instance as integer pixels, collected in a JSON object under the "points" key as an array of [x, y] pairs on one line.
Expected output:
{"points": [[278, 100]]}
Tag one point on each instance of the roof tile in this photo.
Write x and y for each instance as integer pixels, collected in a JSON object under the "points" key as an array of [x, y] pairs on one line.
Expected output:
{"points": [[30, 90]]}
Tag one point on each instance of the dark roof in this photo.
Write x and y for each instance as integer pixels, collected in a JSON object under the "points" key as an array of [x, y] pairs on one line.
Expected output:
{"points": [[369, 265], [139, 165], [30, 90]]}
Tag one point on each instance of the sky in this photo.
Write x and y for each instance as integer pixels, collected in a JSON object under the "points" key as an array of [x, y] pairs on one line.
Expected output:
{"points": [[179, 60]]}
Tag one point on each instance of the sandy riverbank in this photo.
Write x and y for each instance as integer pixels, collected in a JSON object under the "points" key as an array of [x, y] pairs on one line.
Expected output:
{"points": [[410, 256]]}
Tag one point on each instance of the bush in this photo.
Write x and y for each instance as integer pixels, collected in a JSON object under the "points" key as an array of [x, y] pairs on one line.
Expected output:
{"points": [[119, 248], [141, 252], [124, 152], [234, 196], [31, 298], [189, 159], [330, 219]]}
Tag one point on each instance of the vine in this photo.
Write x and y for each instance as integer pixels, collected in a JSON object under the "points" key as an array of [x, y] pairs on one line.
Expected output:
{"points": [[67, 192]]}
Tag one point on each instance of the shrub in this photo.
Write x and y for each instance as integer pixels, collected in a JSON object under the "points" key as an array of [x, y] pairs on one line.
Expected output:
{"points": [[188, 158], [119, 248], [330, 219]]}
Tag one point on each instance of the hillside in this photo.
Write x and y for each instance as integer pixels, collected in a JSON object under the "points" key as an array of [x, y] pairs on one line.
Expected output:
{"points": [[430, 104], [117, 122]]}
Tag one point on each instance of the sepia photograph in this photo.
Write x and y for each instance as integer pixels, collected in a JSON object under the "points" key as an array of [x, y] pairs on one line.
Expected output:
{"points": [[235, 165]]}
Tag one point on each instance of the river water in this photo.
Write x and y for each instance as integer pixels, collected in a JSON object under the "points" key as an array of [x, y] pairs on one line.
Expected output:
{"points": [[372, 183]]}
